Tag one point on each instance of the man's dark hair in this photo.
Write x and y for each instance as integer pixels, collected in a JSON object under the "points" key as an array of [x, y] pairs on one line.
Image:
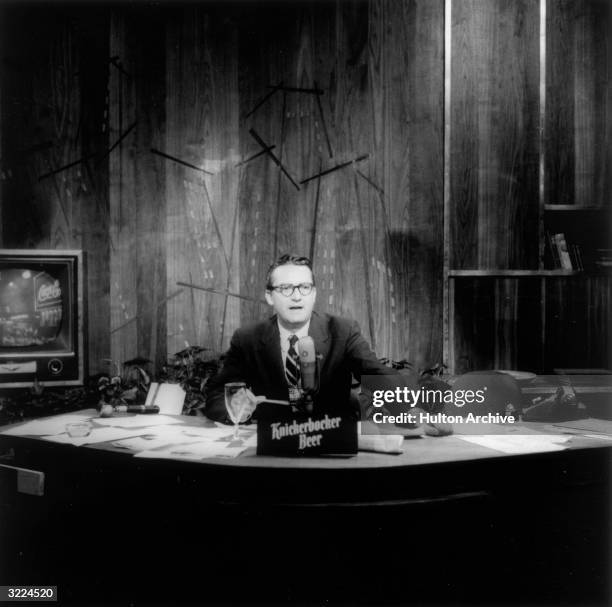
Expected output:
{"points": [[288, 260]]}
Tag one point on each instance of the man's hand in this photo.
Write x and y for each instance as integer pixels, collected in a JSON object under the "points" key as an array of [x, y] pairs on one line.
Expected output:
{"points": [[244, 403], [438, 429]]}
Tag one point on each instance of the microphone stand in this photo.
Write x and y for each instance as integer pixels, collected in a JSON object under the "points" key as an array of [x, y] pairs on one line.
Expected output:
{"points": [[307, 394], [307, 402]]}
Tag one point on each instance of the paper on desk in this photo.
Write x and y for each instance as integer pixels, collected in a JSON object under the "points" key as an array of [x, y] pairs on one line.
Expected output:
{"points": [[168, 397], [144, 443], [97, 435], [138, 420], [48, 426], [519, 443], [219, 443], [153, 438], [383, 443], [182, 432]]}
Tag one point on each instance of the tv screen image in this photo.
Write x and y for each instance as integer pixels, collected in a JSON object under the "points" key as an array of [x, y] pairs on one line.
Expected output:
{"points": [[30, 308], [41, 317]]}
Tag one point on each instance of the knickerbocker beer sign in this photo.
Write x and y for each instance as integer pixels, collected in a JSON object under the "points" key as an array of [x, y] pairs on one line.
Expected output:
{"points": [[307, 435]]}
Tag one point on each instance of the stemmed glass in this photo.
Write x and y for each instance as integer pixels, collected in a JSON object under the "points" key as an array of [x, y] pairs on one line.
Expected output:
{"points": [[238, 404]]}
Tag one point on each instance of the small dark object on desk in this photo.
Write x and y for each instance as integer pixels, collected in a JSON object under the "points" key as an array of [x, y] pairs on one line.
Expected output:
{"points": [[137, 409], [562, 406]]}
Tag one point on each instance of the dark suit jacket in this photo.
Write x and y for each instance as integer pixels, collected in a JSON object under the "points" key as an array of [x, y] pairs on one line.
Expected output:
{"points": [[255, 358]]}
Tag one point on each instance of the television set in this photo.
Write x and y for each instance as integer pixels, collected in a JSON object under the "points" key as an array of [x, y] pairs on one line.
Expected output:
{"points": [[42, 326]]}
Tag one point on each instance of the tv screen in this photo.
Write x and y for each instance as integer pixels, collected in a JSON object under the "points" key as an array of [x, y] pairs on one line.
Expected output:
{"points": [[41, 317], [30, 308]]}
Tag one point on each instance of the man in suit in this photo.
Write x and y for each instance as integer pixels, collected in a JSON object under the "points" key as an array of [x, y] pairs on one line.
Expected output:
{"points": [[264, 355]]}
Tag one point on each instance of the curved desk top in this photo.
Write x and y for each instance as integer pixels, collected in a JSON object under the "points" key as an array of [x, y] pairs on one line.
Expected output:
{"points": [[418, 449]]}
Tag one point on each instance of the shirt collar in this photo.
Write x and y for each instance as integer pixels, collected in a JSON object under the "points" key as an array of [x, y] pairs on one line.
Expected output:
{"points": [[285, 334]]}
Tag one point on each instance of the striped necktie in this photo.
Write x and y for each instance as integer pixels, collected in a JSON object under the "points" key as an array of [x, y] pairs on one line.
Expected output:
{"points": [[292, 364]]}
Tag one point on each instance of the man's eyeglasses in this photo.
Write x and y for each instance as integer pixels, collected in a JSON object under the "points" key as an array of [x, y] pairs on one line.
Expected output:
{"points": [[288, 290]]}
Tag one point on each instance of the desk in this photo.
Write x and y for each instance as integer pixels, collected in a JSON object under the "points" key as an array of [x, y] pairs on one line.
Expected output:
{"points": [[444, 522]]}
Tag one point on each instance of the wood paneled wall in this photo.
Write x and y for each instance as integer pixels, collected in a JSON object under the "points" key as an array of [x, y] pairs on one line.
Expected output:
{"points": [[495, 205], [498, 324], [183, 81], [578, 139], [137, 196], [128, 86], [494, 118], [54, 112]]}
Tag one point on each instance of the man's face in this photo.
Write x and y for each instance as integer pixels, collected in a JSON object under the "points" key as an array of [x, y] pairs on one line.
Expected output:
{"points": [[296, 310]]}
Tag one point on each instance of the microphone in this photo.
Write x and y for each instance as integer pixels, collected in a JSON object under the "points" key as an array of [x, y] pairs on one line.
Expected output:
{"points": [[137, 409], [308, 369]]}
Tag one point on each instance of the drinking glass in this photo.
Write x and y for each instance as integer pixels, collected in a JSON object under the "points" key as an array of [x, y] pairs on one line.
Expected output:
{"points": [[78, 429], [238, 404]]}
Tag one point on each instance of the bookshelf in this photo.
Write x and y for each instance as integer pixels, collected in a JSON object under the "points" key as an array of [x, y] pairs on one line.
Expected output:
{"points": [[510, 185], [536, 319], [585, 229]]}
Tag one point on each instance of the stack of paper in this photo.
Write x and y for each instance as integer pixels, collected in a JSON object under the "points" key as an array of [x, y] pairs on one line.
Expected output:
{"points": [[168, 397]]}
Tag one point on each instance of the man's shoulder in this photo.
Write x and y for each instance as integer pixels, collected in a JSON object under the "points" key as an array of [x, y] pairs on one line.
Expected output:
{"points": [[254, 329], [336, 325]]}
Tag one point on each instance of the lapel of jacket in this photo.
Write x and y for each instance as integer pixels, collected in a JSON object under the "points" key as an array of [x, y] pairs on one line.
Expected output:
{"points": [[270, 352], [319, 332]]}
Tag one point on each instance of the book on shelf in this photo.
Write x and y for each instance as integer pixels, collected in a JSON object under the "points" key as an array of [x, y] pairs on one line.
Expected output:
{"points": [[554, 253], [563, 252], [564, 256], [576, 255]]}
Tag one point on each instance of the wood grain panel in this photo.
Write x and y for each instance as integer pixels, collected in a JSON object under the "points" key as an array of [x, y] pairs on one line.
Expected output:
{"points": [[559, 133], [578, 102], [579, 322], [494, 140], [124, 224], [295, 206], [149, 186], [263, 49], [323, 194], [93, 40], [42, 107], [474, 324], [497, 324], [414, 85], [56, 82], [371, 178], [202, 110], [352, 118]]}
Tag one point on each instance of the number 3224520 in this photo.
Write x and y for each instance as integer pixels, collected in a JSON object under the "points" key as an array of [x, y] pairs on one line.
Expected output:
{"points": [[48, 593]]}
